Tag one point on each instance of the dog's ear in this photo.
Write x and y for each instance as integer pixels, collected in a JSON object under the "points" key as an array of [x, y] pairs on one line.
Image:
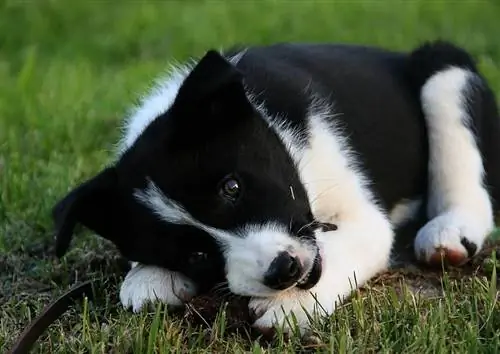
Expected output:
{"points": [[93, 204], [214, 84]]}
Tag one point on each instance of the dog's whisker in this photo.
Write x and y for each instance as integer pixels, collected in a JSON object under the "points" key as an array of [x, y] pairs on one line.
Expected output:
{"points": [[315, 199], [319, 180], [221, 289], [306, 226], [221, 285]]}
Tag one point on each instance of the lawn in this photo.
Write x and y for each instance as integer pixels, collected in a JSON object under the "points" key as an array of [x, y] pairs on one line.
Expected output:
{"points": [[69, 74]]}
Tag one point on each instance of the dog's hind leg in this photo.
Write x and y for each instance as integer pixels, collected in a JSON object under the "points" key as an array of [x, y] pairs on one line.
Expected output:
{"points": [[459, 208]]}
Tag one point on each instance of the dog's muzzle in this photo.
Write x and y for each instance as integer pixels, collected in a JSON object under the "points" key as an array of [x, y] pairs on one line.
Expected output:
{"points": [[287, 270]]}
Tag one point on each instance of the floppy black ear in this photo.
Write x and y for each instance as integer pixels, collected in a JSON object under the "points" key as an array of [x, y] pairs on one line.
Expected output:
{"points": [[92, 204]]}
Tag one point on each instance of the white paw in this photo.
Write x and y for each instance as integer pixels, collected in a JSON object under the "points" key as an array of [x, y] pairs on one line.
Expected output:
{"points": [[145, 285], [290, 312], [452, 237]]}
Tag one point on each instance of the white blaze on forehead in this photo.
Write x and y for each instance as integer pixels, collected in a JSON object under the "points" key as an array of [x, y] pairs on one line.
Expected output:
{"points": [[157, 102], [172, 212]]}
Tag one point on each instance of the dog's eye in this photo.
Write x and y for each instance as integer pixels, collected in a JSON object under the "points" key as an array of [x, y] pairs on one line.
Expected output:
{"points": [[230, 189], [197, 257]]}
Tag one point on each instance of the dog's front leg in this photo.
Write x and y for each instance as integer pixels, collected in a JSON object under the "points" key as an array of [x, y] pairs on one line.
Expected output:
{"points": [[354, 253], [146, 285]]}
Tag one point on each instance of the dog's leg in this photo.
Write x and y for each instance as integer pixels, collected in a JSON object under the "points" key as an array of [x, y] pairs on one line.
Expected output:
{"points": [[459, 206], [145, 284]]}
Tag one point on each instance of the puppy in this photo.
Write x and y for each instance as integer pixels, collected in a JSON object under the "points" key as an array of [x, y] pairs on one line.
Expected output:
{"points": [[284, 172]]}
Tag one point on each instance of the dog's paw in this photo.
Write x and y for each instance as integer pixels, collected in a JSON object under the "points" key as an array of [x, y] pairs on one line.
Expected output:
{"points": [[451, 238], [145, 285], [290, 312]]}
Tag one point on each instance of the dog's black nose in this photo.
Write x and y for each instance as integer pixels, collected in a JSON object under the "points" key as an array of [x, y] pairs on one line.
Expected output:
{"points": [[284, 270]]}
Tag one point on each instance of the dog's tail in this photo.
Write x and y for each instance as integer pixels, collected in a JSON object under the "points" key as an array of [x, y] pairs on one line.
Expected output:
{"points": [[433, 57]]}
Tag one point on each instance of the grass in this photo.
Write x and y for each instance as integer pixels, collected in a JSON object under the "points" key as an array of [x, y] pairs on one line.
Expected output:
{"points": [[68, 75]]}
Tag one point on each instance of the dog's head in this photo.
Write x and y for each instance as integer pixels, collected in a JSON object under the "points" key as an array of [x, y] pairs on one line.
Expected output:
{"points": [[208, 190]]}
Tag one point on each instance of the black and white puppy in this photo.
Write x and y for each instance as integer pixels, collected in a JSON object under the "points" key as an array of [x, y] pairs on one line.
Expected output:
{"points": [[284, 170]]}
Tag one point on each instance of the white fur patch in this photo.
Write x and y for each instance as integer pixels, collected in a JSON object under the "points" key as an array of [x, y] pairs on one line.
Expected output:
{"points": [[157, 102], [458, 201], [329, 170], [146, 285], [172, 212]]}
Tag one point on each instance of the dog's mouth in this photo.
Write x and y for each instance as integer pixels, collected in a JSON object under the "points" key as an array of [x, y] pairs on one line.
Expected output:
{"points": [[311, 277]]}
